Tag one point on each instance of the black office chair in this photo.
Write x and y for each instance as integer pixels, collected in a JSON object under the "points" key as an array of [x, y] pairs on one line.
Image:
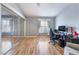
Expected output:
{"points": [[54, 37], [51, 34]]}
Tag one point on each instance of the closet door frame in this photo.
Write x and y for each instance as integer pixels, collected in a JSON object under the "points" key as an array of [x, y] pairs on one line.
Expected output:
{"points": [[0, 30]]}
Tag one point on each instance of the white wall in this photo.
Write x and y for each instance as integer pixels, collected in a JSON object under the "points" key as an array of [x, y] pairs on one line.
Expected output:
{"points": [[69, 17]]}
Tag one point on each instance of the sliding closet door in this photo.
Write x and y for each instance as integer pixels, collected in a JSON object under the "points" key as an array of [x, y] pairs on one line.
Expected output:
{"points": [[6, 18], [0, 29], [12, 29]]}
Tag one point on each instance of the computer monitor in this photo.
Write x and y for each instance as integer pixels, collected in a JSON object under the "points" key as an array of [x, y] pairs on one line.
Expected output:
{"points": [[62, 28]]}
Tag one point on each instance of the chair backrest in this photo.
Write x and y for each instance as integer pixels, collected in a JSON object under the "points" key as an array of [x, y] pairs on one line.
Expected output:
{"points": [[56, 31], [51, 33]]}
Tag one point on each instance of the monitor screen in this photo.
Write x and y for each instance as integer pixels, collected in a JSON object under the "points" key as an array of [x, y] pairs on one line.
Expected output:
{"points": [[61, 28]]}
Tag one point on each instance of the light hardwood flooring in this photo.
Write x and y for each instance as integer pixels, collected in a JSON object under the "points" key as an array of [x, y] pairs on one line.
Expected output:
{"points": [[38, 45]]}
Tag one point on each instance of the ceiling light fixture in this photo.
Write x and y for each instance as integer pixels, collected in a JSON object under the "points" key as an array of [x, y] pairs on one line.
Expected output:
{"points": [[38, 4]]}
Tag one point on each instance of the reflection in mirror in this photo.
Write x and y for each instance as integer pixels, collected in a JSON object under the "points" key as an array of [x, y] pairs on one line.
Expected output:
{"points": [[12, 27], [0, 29]]}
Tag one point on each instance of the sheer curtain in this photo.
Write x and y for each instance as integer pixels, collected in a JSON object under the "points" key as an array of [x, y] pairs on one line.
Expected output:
{"points": [[44, 27]]}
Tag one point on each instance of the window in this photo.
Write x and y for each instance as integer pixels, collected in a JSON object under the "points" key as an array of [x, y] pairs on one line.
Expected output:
{"points": [[5, 26], [43, 27], [44, 23]]}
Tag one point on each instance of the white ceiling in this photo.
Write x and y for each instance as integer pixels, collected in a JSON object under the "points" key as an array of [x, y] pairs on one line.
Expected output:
{"points": [[44, 9]]}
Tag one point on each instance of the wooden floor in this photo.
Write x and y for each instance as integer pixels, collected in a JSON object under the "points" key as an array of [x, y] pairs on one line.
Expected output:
{"points": [[38, 45]]}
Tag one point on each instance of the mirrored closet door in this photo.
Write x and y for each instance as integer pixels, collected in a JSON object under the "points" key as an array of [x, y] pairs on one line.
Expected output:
{"points": [[12, 28]]}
